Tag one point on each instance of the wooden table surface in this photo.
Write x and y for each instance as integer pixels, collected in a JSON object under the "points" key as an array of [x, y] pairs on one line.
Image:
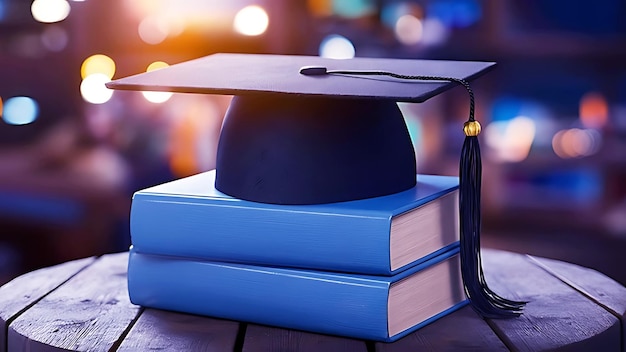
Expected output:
{"points": [[83, 305]]}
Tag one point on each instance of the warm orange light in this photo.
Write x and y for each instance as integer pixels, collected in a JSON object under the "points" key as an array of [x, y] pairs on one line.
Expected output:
{"points": [[183, 158], [320, 8], [576, 143], [175, 26], [511, 140], [140, 8], [557, 145], [157, 65], [98, 63], [594, 110], [0, 106], [193, 138]]}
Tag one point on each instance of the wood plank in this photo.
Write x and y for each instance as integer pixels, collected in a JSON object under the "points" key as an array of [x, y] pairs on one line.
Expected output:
{"points": [[23, 291], [91, 311], [264, 338], [169, 331], [556, 317], [462, 330], [601, 289]]}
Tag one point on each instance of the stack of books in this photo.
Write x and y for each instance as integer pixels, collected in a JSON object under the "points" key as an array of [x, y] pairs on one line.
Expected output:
{"points": [[376, 269]]}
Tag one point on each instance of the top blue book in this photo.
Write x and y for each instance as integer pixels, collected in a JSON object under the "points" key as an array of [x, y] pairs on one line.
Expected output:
{"points": [[378, 236]]}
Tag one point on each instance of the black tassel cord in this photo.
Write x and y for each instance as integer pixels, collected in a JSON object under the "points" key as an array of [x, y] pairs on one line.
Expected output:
{"points": [[484, 301]]}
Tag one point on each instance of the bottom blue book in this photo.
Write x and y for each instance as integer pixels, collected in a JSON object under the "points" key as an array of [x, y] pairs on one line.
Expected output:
{"points": [[380, 308]]}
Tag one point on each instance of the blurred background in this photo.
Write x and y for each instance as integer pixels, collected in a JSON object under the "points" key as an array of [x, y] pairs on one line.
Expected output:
{"points": [[553, 112]]}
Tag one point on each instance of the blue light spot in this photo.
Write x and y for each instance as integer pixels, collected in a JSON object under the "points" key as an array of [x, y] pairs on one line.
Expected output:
{"points": [[20, 111], [506, 108], [582, 185], [456, 13], [353, 8], [391, 12], [2, 9]]}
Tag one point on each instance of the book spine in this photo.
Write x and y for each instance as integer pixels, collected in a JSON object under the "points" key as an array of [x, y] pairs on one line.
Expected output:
{"points": [[267, 236], [284, 298]]}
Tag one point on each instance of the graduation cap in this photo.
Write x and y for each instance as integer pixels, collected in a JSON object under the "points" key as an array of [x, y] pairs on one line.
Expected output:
{"points": [[309, 130]]}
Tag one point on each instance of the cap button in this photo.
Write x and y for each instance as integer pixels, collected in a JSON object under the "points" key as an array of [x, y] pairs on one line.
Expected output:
{"points": [[471, 128]]}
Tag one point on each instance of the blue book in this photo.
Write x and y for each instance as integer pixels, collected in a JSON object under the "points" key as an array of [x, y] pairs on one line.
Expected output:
{"points": [[380, 236], [381, 308]]}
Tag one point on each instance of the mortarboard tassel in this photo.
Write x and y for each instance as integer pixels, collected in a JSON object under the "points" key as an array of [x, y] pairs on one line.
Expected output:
{"points": [[484, 301]]}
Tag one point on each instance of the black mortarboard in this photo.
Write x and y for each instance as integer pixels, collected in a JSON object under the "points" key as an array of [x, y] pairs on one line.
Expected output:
{"points": [[305, 130], [290, 138]]}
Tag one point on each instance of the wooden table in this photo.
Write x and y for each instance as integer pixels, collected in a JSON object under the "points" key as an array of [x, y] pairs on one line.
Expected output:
{"points": [[83, 305]]}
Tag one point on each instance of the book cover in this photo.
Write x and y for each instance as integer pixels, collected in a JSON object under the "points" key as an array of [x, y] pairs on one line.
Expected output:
{"points": [[381, 308], [381, 236]]}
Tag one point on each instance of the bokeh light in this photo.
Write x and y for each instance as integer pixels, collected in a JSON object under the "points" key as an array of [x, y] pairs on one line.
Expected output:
{"points": [[408, 29], [93, 88], [353, 8], [511, 140], [434, 32], [20, 110], [392, 11], [98, 63], [50, 11], [251, 20], [54, 38], [139, 8], [175, 16], [1, 106], [320, 8], [175, 25], [411, 25], [157, 65], [336, 46], [153, 29], [594, 110], [157, 97], [456, 14], [576, 143]]}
